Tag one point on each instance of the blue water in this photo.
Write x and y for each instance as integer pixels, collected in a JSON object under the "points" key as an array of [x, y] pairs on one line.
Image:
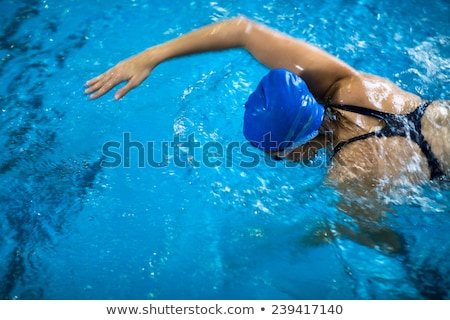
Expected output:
{"points": [[73, 229]]}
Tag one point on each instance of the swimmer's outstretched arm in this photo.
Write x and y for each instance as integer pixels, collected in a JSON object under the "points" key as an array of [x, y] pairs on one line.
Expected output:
{"points": [[272, 48]]}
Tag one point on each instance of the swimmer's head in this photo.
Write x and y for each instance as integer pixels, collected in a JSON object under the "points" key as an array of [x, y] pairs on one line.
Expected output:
{"points": [[282, 113]]}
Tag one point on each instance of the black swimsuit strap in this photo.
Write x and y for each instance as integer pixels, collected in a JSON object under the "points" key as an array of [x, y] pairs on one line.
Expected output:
{"points": [[363, 111], [404, 125], [391, 121], [433, 163], [342, 144]]}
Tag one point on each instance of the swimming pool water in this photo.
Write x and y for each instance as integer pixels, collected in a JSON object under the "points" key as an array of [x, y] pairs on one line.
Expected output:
{"points": [[71, 228]]}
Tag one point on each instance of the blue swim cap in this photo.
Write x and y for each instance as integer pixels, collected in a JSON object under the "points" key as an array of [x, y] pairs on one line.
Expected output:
{"points": [[282, 113]]}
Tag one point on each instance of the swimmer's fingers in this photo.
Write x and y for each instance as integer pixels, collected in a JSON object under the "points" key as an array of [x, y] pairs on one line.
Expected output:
{"points": [[93, 85], [134, 70], [94, 81], [135, 81], [102, 84]]}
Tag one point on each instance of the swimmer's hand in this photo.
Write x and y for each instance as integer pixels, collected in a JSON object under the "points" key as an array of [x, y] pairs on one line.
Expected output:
{"points": [[133, 70]]}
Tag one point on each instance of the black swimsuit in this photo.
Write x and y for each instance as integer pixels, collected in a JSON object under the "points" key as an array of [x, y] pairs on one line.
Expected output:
{"points": [[397, 125]]}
